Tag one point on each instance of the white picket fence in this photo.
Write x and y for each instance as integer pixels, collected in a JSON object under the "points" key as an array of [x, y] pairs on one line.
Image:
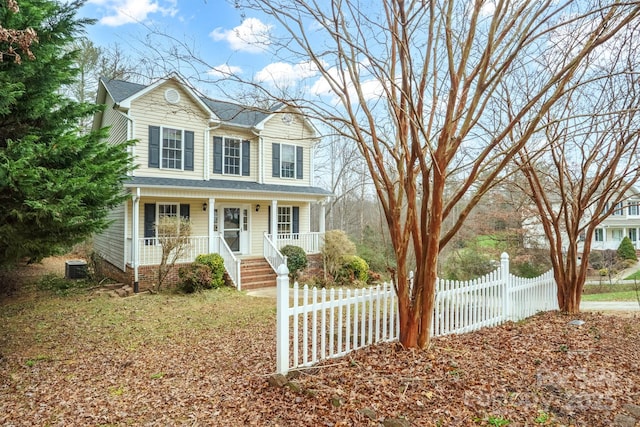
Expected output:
{"points": [[313, 325]]}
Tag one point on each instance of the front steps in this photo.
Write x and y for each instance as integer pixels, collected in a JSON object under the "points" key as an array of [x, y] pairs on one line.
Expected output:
{"points": [[256, 273]]}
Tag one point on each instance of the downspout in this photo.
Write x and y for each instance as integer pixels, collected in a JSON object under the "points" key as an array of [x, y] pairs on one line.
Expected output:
{"points": [[207, 150], [134, 240], [260, 155]]}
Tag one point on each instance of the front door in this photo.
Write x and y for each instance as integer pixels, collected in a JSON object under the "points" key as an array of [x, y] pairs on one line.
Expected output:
{"points": [[234, 224]]}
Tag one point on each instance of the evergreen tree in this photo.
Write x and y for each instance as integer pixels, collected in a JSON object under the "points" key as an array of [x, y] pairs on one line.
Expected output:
{"points": [[626, 249], [56, 184]]}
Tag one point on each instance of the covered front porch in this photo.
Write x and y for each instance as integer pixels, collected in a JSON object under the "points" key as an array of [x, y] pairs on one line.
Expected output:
{"points": [[609, 237], [235, 229]]}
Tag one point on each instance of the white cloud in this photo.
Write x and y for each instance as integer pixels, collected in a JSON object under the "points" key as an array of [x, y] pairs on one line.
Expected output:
{"points": [[371, 88], [251, 36], [121, 12], [224, 70], [282, 74]]}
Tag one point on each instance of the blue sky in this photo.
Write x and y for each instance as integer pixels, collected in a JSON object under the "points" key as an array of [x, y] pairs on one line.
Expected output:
{"points": [[225, 39]]}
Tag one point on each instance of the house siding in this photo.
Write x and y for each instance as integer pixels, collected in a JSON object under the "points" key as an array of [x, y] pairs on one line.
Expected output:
{"points": [[253, 158], [110, 244], [118, 123], [298, 134], [152, 109]]}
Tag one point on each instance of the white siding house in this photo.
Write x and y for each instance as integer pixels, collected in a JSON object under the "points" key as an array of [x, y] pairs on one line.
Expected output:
{"points": [[242, 176]]}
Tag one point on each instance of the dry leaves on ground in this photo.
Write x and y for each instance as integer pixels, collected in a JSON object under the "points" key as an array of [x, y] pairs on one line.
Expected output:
{"points": [[206, 359]]}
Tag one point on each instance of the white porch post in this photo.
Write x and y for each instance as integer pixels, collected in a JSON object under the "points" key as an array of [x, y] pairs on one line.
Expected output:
{"points": [[321, 228], [135, 250], [212, 226], [274, 222]]}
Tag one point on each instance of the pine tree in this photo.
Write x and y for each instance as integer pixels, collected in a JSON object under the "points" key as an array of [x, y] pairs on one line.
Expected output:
{"points": [[626, 250], [56, 184]]}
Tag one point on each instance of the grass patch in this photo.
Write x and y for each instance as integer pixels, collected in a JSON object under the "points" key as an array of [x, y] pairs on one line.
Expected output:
{"points": [[37, 321], [634, 276], [611, 296]]}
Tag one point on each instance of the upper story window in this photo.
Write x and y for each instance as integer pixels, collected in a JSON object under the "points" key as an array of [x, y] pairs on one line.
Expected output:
{"points": [[287, 161], [231, 156], [170, 148], [633, 208], [618, 209]]}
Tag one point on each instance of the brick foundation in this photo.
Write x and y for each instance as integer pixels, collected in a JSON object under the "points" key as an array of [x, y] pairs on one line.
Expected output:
{"points": [[147, 274]]}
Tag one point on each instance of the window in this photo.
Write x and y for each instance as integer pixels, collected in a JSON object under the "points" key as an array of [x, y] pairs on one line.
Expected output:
{"points": [[166, 211], [617, 234], [618, 209], [171, 148], [284, 220], [599, 235], [632, 235], [232, 156], [288, 162], [633, 208], [215, 220]]}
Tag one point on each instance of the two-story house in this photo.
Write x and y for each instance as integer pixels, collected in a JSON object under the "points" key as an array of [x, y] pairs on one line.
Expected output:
{"points": [[623, 221], [242, 176]]}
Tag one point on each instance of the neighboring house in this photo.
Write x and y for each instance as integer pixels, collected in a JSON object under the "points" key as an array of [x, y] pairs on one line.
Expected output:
{"points": [[242, 176], [623, 221]]}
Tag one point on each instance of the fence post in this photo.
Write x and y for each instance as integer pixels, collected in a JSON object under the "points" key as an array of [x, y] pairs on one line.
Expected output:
{"points": [[282, 320], [504, 278]]}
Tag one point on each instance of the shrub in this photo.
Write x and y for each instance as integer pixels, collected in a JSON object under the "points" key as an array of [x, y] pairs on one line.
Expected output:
{"points": [[296, 259], [215, 262], [194, 278], [467, 264], [336, 246], [626, 249], [354, 268]]}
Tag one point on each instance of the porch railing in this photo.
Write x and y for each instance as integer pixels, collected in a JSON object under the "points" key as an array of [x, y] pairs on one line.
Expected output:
{"points": [[272, 254], [151, 251], [310, 242], [231, 262]]}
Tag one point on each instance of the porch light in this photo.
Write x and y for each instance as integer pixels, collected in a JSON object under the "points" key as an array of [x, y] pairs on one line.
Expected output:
{"points": [[257, 208], [204, 207]]}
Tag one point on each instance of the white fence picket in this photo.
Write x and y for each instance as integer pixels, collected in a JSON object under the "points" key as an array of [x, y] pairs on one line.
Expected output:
{"points": [[346, 321]]}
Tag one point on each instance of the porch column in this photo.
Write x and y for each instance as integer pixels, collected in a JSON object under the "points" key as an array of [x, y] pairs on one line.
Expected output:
{"points": [[274, 222], [212, 226], [321, 219], [135, 248]]}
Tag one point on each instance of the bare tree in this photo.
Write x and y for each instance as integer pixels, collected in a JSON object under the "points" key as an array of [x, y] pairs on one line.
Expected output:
{"points": [[592, 162], [173, 237], [421, 88]]}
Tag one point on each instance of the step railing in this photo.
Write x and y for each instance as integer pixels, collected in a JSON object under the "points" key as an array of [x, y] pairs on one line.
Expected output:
{"points": [[272, 254], [231, 263]]}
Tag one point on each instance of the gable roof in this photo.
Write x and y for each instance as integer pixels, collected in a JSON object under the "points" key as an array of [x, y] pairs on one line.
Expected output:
{"points": [[228, 112]]}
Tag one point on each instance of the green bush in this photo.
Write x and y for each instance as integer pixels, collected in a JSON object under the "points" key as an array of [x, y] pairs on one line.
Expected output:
{"points": [[296, 259], [626, 250], [467, 264], [215, 262], [336, 246], [194, 278], [354, 268]]}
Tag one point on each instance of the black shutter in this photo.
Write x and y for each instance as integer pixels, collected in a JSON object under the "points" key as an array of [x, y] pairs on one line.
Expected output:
{"points": [[149, 223], [269, 220], [185, 210], [296, 220], [246, 157], [154, 146], [217, 154], [188, 150], [299, 163], [275, 156]]}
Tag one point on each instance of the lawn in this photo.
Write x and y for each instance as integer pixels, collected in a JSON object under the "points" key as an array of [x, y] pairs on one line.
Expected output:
{"points": [[89, 359], [616, 292]]}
